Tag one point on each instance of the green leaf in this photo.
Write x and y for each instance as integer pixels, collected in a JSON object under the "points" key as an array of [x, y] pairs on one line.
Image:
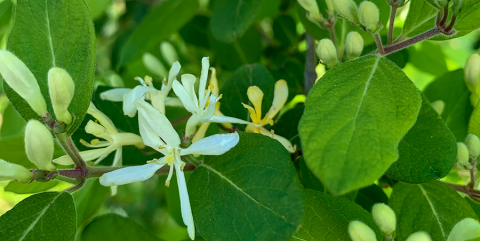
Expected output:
{"points": [[314, 30], [252, 192], [13, 124], [48, 216], [308, 179], [245, 50], [196, 32], [285, 30], [169, 17], [112, 227], [287, 125], [475, 206], [419, 18], [427, 152], [97, 7], [13, 150], [88, 201], [232, 18], [452, 90], [235, 90], [354, 119], [369, 196], [54, 33], [34, 187], [327, 218], [428, 57], [433, 207]]}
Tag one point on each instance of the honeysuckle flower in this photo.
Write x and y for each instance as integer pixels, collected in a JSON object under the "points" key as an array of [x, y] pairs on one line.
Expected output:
{"points": [[255, 95], [158, 133], [113, 140], [39, 145], [19, 77], [200, 134], [202, 107], [12, 171], [158, 98], [61, 89]]}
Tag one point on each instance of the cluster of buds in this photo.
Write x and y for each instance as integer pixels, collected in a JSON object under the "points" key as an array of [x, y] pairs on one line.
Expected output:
{"points": [[385, 219], [442, 4], [472, 77], [314, 15], [327, 51], [367, 14], [470, 149]]}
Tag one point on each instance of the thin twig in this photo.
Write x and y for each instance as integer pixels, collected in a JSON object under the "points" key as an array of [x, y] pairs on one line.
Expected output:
{"points": [[379, 43], [309, 74], [424, 36], [392, 21]]}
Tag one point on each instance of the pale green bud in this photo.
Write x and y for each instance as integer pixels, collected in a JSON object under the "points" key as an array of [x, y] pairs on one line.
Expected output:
{"points": [[154, 65], [11, 171], [473, 144], [330, 5], [17, 75], [361, 232], [438, 106], [312, 8], [347, 9], [168, 52], [61, 88], [472, 73], [369, 15], [462, 153], [327, 52], [474, 97], [467, 229], [385, 218], [457, 6], [419, 236], [39, 145], [354, 45]]}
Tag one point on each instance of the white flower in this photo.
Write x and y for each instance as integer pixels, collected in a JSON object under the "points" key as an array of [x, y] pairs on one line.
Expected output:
{"points": [[158, 97], [203, 107], [158, 133], [113, 140], [12, 171]]}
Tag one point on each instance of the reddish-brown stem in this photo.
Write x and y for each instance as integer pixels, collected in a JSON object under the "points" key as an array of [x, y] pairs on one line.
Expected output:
{"points": [[392, 22], [424, 36], [444, 17], [379, 44]]}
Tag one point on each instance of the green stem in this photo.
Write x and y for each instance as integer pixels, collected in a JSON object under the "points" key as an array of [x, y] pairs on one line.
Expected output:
{"points": [[424, 36], [71, 150], [67, 180]]}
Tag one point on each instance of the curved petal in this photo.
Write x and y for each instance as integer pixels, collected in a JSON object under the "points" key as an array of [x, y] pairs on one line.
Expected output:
{"points": [[210, 110], [188, 82], [200, 134], [114, 94], [150, 138], [214, 82], [102, 118], [173, 102], [173, 74], [228, 119], [284, 141], [279, 98], [185, 97], [158, 123], [129, 99], [203, 79], [213, 145], [129, 174], [86, 155], [185, 202]]}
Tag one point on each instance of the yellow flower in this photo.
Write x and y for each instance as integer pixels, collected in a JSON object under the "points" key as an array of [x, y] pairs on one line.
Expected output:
{"points": [[255, 95]]}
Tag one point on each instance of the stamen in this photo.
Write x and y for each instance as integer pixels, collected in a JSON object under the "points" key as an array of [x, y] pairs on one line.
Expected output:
{"points": [[182, 166], [95, 141], [142, 82], [167, 184], [152, 161], [83, 142], [170, 160], [148, 80]]}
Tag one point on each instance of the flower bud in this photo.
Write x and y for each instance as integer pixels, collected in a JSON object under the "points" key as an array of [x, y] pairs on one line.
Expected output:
{"points": [[474, 97], [361, 232], [369, 15], [472, 73], [462, 153], [11, 171], [61, 89], [438, 106], [473, 144], [467, 229], [327, 52], [457, 6], [354, 45], [419, 236], [312, 8], [385, 218], [39, 145], [17, 75], [330, 5], [347, 9], [154, 65]]}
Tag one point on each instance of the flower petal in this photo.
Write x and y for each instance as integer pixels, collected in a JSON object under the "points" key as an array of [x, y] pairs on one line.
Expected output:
{"points": [[185, 97], [129, 99], [279, 98], [213, 145], [102, 118], [200, 134], [173, 102], [228, 119], [129, 174], [255, 95], [150, 138], [185, 202], [86, 155], [173, 74], [158, 123], [188, 82], [114, 94], [203, 79], [210, 110], [214, 82]]}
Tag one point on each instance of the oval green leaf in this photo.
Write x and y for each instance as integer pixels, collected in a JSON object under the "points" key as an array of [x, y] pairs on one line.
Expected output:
{"points": [[432, 207], [54, 33], [354, 119], [252, 192], [48, 216], [428, 151], [29, 188], [327, 218]]}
